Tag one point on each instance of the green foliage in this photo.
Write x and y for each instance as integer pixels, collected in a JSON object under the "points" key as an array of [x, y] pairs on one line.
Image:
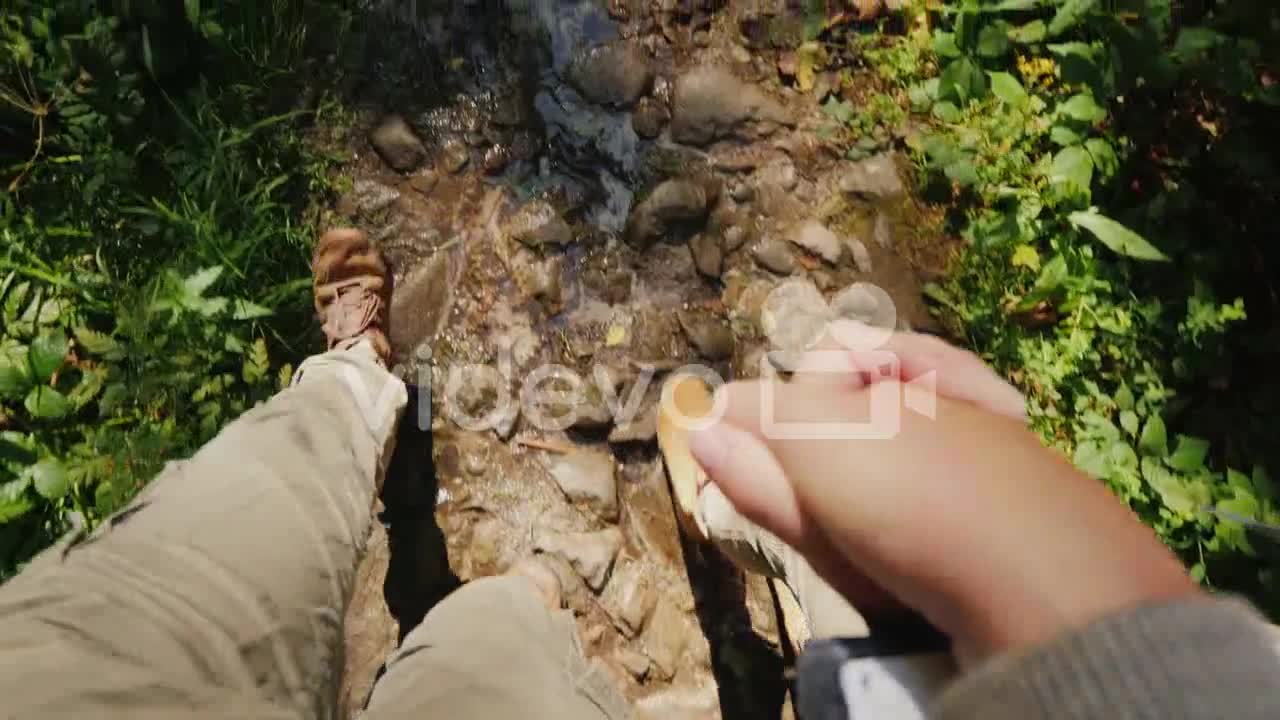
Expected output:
{"points": [[1095, 298], [153, 269]]}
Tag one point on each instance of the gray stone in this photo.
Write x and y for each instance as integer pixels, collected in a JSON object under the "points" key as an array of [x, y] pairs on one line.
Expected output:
{"points": [[710, 337], [775, 256], [735, 236], [425, 181], [861, 256], [643, 428], [883, 231], [630, 598], [649, 118], [710, 103], [537, 223], [591, 554], [867, 303], [588, 477], [615, 74], [666, 637], [672, 202], [454, 155], [742, 192], [876, 177], [794, 316], [708, 254], [817, 239], [397, 145], [636, 664], [370, 197]]}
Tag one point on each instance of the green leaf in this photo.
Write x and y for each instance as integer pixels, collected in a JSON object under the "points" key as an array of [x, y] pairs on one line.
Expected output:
{"points": [[1090, 460], [1129, 421], [962, 80], [1063, 136], [1173, 491], [944, 45], [1033, 32], [946, 112], [841, 110], [246, 310], [1124, 398], [94, 342], [1083, 108], [1072, 166], [1104, 156], [1189, 455], [148, 61], [14, 500], [993, 40], [1262, 483], [1239, 482], [15, 374], [1070, 15], [45, 403], [47, 355], [962, 172], [196, 284], [49, 478], [1155, 439], [1008, 89], [1194, 41], [193, 11], [1117, 237]]}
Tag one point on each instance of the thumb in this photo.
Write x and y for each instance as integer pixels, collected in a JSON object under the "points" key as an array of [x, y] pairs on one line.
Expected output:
{"points": [[749, 475]]}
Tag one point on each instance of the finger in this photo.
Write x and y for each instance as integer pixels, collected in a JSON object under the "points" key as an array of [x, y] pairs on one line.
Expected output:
{"points": [[829, 364], [960, 375], [749, 475]]}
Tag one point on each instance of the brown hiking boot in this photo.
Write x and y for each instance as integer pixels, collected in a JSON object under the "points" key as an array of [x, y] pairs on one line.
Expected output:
{"points": [[352, 291]]}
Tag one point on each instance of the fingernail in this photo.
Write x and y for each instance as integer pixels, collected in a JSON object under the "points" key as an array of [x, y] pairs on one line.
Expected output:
{"points": [[710, 447]]}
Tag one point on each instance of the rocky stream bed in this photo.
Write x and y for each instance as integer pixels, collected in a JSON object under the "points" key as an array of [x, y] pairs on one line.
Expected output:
{"points": [[619, 189]]}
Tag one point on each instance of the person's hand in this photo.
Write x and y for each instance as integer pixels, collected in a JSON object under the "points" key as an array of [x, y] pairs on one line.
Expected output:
{"points": [[966, 518]]}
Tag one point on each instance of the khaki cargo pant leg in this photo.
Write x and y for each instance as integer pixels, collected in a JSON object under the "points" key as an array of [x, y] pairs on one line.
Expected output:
{"points": [[493, 650], [220, 591], [754, 548]]}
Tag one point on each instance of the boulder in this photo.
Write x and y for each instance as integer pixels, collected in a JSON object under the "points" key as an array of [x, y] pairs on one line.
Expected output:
{"points": [[396, 143], [708, 254], [615, 74], [710, 103], [538, 223], [588, 477], [672, 203], [709, 336], [874, 178], [590, 554], [817, 239], [775, 256]]}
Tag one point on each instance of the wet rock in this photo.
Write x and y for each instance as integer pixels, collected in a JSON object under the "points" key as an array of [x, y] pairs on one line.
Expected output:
{"points": [[422, 301], [643, 428], [369, 197], [866, 303], [397, 145], [615, 74], [591, 554], [672, 203], [630, 598], [876, 178], [666, 637], [709, 336], [708, 255], [537, 223], [588, 477], [861, 256], [454, 155], [735, 236], [817, 239], [710, 103], [636, 664], [774, 255], [496, 159], [424, 182], [649, 118], [883, 231], [794, 316]]}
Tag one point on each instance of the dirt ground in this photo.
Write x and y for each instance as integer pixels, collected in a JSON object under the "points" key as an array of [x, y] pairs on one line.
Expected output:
{"points": [[599, 187]]}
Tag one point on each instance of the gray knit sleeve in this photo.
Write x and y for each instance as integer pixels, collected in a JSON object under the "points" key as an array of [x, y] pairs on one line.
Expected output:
{"points": [[1188, 659]]}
